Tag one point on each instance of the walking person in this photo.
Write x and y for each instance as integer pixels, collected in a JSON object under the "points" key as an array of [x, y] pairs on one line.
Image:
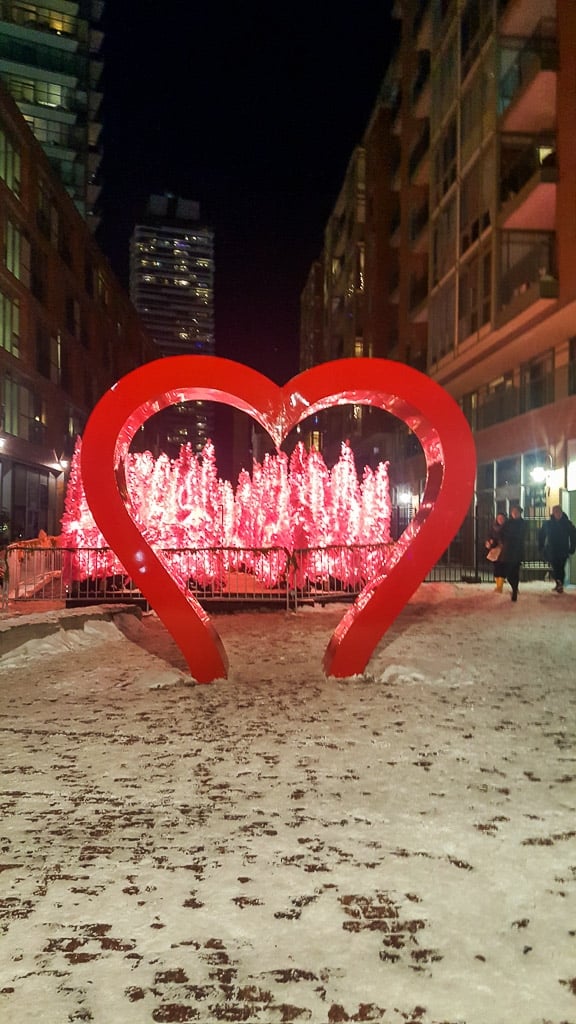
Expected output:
{"points": [[494, 552], [556, 542], [513, 536]]}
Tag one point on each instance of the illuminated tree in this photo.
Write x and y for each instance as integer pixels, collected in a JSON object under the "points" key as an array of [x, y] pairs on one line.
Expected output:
{"points": [[76, 512], [80, 533], [316, 492], [287, 504], [187, 531], [243, 531], [345, 499], [299, 511]]}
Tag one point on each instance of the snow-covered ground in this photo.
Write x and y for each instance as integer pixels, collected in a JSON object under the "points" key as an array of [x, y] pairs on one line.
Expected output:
{"points": [[397, 847]]}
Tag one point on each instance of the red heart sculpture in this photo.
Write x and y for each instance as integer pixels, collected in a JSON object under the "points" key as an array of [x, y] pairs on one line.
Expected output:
{"points": [[413, 398]]}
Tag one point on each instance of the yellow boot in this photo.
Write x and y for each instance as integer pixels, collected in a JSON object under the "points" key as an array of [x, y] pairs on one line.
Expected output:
{"points": [[499, 581]]}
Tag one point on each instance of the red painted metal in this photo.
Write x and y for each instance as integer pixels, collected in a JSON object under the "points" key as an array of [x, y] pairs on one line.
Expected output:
{"points": [[410, 396]]}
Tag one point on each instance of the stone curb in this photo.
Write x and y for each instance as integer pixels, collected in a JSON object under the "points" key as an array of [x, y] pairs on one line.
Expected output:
{"points": [[19, 630]]}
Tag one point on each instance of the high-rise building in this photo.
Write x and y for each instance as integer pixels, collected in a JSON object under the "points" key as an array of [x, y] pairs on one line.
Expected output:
{"points": [[67, 331], [172, 287], [50, 63], [475, 215]]}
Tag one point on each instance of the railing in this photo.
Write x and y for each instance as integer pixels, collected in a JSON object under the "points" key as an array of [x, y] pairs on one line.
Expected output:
{"points": [[421, 148], [88, 575], [527, 258], [39, 56], [419, 17], [505, 404], [419, 219], [422, 74], [520, 159], [42, 20], [248, 576], [418, 292], [396, 104], [521, 58]]}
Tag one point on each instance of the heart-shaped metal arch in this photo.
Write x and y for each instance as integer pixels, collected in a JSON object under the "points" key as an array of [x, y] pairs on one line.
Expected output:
{"points": [[410, 396]]}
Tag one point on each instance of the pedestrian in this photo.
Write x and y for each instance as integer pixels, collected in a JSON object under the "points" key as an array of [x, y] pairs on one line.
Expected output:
{"points": [[556, 542], [513, 535], [495, 551]]}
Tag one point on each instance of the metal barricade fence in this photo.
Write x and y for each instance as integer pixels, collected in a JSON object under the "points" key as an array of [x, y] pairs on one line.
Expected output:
{"points": [[93, 575], [338, 572], [244, 576], [33, 568]]}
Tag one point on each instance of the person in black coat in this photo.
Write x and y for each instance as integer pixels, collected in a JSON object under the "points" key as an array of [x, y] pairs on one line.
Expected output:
{"points": [[512, 536], [556, 541]]}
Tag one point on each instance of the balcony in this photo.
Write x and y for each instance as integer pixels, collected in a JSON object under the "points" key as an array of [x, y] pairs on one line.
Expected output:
{"points": [[36, 18], [537, 391], [528, 178], [527, 84], [395, 232], [422, 27], [506, 403], [394, 285], [528, 274], [419, 163], [421, 88], [94, 101], [96, 10], [418, 299], [418, 228], [396, 111], [497, 407], [96, 40], [396, 176], [14, 51], [521, 17]]}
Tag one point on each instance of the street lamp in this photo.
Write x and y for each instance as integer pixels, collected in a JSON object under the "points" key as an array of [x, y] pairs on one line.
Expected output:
{"points": [[538, 474], [545, 477], [541, 474], [405, 497]]}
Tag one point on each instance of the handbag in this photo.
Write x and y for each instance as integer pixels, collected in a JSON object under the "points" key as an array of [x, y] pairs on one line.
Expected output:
{"points": [[494, 554]]}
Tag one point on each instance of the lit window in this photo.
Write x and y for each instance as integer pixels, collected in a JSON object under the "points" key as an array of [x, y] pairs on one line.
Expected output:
{"points": [[9, 164], [10, 325]]}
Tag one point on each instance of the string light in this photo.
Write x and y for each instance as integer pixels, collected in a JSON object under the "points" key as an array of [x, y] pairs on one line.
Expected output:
{"points": [[294, 503]]}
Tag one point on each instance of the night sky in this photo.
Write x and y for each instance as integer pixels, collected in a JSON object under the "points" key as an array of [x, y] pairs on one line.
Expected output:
{"points": [[253, 110]]}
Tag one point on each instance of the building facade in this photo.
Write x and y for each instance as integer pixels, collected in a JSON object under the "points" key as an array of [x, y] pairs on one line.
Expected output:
{"points": [[477, 233], [67, 330], [50, 64], [172, 287]]}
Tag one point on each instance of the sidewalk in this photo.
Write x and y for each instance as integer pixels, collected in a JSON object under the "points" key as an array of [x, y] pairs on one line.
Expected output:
{"points": [[279, 847]]}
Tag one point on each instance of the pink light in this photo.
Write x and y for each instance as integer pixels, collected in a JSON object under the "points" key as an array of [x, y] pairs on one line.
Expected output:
{"points": [[293, 504]]}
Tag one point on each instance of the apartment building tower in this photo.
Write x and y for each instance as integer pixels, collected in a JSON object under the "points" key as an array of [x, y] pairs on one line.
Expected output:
{"points": [[172, 287], [476, 233], [50, 63], [68, 331]]}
